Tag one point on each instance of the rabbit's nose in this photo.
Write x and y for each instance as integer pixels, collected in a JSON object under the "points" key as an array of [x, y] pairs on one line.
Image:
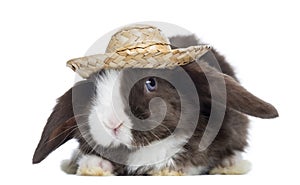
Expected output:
{"points": [[113, 123]]}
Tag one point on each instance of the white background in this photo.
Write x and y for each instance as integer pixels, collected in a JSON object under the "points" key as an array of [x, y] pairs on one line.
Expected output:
{"points": [[259, 38]]}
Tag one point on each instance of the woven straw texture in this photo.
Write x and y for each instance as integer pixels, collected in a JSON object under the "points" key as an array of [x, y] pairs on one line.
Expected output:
{"points": [[140, 46]]}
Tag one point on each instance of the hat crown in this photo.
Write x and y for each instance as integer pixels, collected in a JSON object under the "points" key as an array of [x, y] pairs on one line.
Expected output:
{"points": [[138, 37], [139, 46]]}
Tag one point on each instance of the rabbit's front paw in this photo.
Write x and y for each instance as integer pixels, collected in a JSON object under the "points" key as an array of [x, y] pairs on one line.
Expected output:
{"points": [[166, 172], [234, 165], [92, 165]]}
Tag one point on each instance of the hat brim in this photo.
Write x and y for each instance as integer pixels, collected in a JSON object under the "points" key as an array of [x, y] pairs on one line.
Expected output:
{"points": [[85, 66]]}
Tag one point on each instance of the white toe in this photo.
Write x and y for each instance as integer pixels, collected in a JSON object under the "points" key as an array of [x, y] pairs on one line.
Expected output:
{"points": [[93, 162]]}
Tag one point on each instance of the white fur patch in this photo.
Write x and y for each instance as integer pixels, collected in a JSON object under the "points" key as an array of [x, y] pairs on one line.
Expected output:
{"points": [[93, 165], [239, 168], [234, 165], [108, 110], [157, 155]]}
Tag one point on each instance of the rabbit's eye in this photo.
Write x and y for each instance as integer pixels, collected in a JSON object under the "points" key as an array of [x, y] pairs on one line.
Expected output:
{"points": [[151, 84]]}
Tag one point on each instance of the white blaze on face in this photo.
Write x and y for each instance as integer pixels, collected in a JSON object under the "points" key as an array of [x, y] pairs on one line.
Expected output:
{"points": [[109, 125]]}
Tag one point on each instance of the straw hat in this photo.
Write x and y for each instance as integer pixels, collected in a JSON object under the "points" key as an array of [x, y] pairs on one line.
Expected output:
{"points": [[139, 46]]}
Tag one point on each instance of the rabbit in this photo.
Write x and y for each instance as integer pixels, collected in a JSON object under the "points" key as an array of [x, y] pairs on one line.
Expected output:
{"points": [[132, 122]]}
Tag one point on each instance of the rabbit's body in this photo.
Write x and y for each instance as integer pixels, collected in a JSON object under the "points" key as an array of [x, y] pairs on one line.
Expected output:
{"points": [[111, 115], [182, 153]]}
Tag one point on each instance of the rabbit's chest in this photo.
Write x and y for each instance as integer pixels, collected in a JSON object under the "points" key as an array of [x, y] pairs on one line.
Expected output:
{"points": [[158, 156]]}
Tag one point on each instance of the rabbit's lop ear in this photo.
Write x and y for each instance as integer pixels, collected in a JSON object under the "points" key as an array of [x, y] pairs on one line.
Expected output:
{"points": [[237, 97], [242, 100], [58, 128], [61, 126]]}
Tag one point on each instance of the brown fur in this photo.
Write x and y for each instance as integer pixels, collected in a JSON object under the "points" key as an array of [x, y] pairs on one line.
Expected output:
{"points": [[232, 136]]}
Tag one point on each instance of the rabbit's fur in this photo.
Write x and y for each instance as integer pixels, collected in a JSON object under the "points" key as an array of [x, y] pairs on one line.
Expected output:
{"points": [[74, 117]]}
